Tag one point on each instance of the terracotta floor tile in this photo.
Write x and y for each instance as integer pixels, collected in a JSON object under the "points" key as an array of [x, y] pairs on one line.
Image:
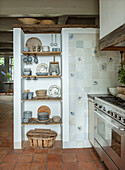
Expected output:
{"points": [[55, 166], [68, 150], [71, 166], [55, 151], [54, 158], [1, 158], [58, 144], [40, 158], [7, 166], [41, 151], [11, 158], [39, 166], [84, 156], [22, 166], [28, 150], [87, 166], [25, 158], [4, 151], [15, 151], [94, 156], [100, 165], [69, 157]]}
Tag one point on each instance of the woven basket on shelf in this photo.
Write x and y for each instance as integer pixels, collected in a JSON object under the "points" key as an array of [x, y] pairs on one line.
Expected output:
{"points": [[41, 138]]}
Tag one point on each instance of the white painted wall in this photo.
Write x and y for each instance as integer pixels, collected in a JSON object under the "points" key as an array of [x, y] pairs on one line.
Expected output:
{"points": [[112, 15]]}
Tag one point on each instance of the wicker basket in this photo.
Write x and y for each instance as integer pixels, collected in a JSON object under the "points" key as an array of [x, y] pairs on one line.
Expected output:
{"points": [[41, 138]]}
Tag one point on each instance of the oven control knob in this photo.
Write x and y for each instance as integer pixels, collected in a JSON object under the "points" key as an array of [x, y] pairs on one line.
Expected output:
{"points": [[116, 115], [108, 112], [123, 119], [104, 109], [96, 104], [112, 114], [100, 107], [119, 118]]}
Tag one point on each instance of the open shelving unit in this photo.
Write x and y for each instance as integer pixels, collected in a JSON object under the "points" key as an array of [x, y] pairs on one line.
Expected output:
{"points": [[58, 106]]}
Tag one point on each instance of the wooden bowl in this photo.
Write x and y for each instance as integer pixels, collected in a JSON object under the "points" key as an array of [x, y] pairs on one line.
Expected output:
{"points": [[28, 20], [47, 22]]}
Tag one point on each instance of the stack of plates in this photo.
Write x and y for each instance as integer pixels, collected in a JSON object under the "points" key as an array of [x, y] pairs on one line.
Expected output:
{"points": [[43, 117]]}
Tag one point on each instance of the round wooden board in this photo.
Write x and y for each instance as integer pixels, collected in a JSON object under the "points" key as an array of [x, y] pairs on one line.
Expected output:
{"points": [[44, 109]]}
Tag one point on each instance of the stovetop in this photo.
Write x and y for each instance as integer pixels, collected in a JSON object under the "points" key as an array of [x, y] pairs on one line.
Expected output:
{"points": [[115, 101], [112, 106]]}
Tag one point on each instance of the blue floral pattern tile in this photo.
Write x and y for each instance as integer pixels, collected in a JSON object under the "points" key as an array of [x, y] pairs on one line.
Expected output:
{"points": [[110, 59], [72, 74], [79, 128], [72, 113], [71, 36]]}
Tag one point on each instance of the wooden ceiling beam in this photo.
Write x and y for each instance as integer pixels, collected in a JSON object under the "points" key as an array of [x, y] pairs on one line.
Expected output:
{"points": [[113, 38]]}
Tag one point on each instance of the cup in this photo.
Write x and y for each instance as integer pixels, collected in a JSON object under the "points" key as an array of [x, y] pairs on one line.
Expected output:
{"points": [[29, 58], [53, 49], [57, 49], [36, 48], [26, 49], [24, 95], [30, 95], [25, 59], [36, 60]]}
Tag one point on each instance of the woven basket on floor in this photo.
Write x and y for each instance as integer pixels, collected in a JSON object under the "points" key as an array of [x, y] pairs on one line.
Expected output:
{"points": [[41, 138]]}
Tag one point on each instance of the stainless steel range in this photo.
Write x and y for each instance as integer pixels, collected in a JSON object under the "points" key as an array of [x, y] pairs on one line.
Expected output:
{"points": [[109, 133]]}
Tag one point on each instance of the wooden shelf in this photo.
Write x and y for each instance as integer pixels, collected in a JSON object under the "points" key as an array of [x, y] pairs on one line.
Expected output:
{"points": [[48, 99], [37, 28], [49, 76], [51, 53], [33, 121]]}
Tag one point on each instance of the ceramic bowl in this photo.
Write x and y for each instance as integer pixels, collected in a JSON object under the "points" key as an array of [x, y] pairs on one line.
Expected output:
{"points": [[56, 118], [113, 91], [45, 48], [25, 120], [26, 73], [27, 69], [121, 89], [27, 114], [41, 74]]}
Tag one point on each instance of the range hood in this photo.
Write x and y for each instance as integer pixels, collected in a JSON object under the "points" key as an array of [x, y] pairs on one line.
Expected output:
{"points": [[114, 41]]}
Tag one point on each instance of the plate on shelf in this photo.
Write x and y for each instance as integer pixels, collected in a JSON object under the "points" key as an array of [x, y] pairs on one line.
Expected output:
{"points": [[42, 68], [33, 42], [54, 91]]}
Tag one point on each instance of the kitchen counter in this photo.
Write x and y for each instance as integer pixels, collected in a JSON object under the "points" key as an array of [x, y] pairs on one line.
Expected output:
{"points": [[92, 96]]}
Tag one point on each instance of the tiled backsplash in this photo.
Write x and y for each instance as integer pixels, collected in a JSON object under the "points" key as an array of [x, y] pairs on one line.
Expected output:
{"points": [[91, 71]]}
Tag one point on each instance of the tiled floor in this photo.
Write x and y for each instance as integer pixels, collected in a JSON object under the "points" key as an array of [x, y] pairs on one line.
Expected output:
{"points": [[28, 158]]}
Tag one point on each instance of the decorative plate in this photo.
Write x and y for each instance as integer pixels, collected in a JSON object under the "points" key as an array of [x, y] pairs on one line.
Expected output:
{"points": [[42, 68], [54, 91], [33, 42]]}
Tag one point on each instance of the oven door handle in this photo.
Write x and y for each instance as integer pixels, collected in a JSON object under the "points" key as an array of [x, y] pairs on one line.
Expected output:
{"points": [[95, 111]]}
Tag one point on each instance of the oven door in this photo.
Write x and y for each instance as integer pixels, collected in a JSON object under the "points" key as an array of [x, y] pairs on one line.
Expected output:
{"points": [[108, 135]]}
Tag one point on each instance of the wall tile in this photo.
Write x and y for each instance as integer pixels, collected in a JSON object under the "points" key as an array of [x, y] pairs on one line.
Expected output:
{"points": [[79, 44], [90, 71]]}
